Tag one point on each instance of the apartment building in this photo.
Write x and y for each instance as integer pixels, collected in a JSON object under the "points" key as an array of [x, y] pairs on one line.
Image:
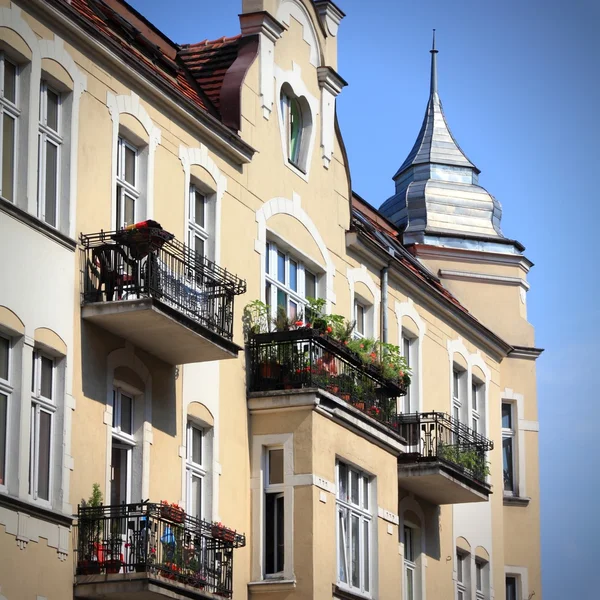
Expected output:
{"points": [[159, 441]]}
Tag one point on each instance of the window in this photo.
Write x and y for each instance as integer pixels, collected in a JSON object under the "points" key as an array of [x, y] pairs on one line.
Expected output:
{"points": [[512, 587], [9, 114], [353, 529], [43, 408], [481, 579], [462, 575], [408, 351], [5, 391], [195, 471], [291, 112], [477, 406], [288, 283], [410, 564], [198, 225], [128, 187], [359, 317], [508, 443], [122, 446], [49, 149], [458, 393], [274, 513]]}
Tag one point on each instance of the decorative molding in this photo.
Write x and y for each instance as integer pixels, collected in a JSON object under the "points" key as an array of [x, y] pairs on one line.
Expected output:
{"points": [[295, 8], [524, 352], [330, 16], [331, 85], [473, 276]]}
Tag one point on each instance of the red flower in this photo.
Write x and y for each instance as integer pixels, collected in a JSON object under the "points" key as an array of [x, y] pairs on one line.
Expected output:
{"points": [[298, 323], [329, 329], [308, 325]]}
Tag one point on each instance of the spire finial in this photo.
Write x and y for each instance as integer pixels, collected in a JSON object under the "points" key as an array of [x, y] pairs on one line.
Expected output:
{"points": [[433, 86]]}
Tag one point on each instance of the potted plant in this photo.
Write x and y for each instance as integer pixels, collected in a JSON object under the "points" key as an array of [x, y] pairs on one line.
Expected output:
{"points": [[172, 512], [255, 318], [220, 532], [89, 533]]}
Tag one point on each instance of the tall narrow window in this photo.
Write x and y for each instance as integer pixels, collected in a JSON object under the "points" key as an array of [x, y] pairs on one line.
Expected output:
{"points": [[354, 519], [288, 283], [481, 579], [198, 224], [508, 442], [43, 408], [128, 191], [5, 392], [195, 470], [410, 566], [477, 400], [9, 114], [123, 443], [274, 513], [458, 404], [49, 154], [294, 127], [359, 318], [462, 575], [408, 348], [512, 587]]}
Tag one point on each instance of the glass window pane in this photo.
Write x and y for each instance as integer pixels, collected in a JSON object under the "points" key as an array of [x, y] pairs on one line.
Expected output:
{"points": [[196, 445], [281, 299], [47, 365], [129, 210], [360, 319], [343, 482], [511, 588], [506, 416], [292, 310], [268, 293], [456, 378], [507, 457], [268, 259], [406, 349], [199, 246], [479, 569], [129, 174], [354, 487], [196, 496], [51, 183], [410, 586], [408, 545], [276, 466], [281, 267], [4, 349], [474, 396], [199, 208], [310, 285], [295, 130], [3, 424], [459, 567], [10, 82], [280, 532], [366, 556], [43, 483], [8, 156], [126, 413], [355, 564], [52, 100], [365, 493], [114, 407], [342, 545], [294, 275], [474, 426], [270, 534]]}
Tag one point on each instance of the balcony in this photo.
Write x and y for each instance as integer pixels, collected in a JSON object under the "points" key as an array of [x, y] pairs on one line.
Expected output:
{"points": [[152, 551], [446, 462], [304, 359], [146, 287]]}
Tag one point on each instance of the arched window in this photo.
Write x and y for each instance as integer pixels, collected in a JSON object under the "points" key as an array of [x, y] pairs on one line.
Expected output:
{"points": [[296, 122]]}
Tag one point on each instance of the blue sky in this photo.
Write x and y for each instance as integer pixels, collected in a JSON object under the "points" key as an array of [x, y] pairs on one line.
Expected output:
{"points": [[520, 85]]}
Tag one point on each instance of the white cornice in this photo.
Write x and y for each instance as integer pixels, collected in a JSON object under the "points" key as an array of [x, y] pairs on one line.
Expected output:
{"points": [[330, 16], [261, 22], [525, 353], [330, 80], [472, 276]]}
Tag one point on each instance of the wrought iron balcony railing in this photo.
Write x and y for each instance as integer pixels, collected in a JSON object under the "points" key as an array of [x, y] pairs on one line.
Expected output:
{"points": [[440, 437], [304, 358], [157, 539], [139, 263]]}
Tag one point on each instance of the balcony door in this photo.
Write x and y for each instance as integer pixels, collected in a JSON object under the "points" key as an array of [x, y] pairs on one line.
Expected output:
{"points": [[120, 469]]}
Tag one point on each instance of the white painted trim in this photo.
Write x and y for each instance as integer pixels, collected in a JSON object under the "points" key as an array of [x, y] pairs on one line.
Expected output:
{"points": [[259, 442], [521, 425], [131, 105], [409, 503], [294, 8], [407, 309], [388, 515], [294, 79], [200, 156], [362, 275], [523, 574], [472, 276], [292, 208], [125, 357]]}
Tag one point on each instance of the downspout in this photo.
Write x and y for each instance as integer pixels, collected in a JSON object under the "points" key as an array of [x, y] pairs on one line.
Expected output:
{"points": [[384, 303]]}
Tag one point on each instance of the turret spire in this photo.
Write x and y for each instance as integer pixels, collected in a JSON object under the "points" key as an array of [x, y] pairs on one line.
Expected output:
{"points": [[433, 86]]}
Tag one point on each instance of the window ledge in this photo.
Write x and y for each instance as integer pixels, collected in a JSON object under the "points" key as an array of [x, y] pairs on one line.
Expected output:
{"points": [[344, 594], [35, 510], [47, 230], [516, 500], [271, 585]]}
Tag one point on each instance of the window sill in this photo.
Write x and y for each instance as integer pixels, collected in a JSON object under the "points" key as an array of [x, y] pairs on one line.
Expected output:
{"points": [[516, 500], [344, 594], [296, 169], [47, 230], [271, 585], [36, 510]]}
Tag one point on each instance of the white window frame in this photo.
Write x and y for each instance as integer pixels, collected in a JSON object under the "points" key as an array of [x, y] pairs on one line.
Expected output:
{"points": [[362, 511], [409, 348], [272, 283], [458, 400], [41, 404], [194, 469], [359, 305], [477, 403], [410, 548], [48, 135], [517, 579], [278, 491], [286, 113], [510, 434], [462, 574], [195, 230], [121, 439], [6, 390], [123, 187], [481, 579], [12, 110]]}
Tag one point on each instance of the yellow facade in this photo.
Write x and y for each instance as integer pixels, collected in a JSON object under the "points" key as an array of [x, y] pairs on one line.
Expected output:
{"points": [[254, 196]]}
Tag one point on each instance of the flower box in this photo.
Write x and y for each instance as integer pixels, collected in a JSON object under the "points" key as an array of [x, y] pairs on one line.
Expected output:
{"points": [[222, 533], [172, 513]]}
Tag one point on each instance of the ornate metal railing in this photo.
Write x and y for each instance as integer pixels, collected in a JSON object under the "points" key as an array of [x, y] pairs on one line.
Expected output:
{"points": [[157, 539], [438, 436], [304, 358], [116, 265]]}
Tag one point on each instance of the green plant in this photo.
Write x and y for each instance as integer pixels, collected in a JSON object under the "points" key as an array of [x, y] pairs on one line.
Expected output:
{"points": [[467, 458], [255, 318], [319, 319], [90, 523]]}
